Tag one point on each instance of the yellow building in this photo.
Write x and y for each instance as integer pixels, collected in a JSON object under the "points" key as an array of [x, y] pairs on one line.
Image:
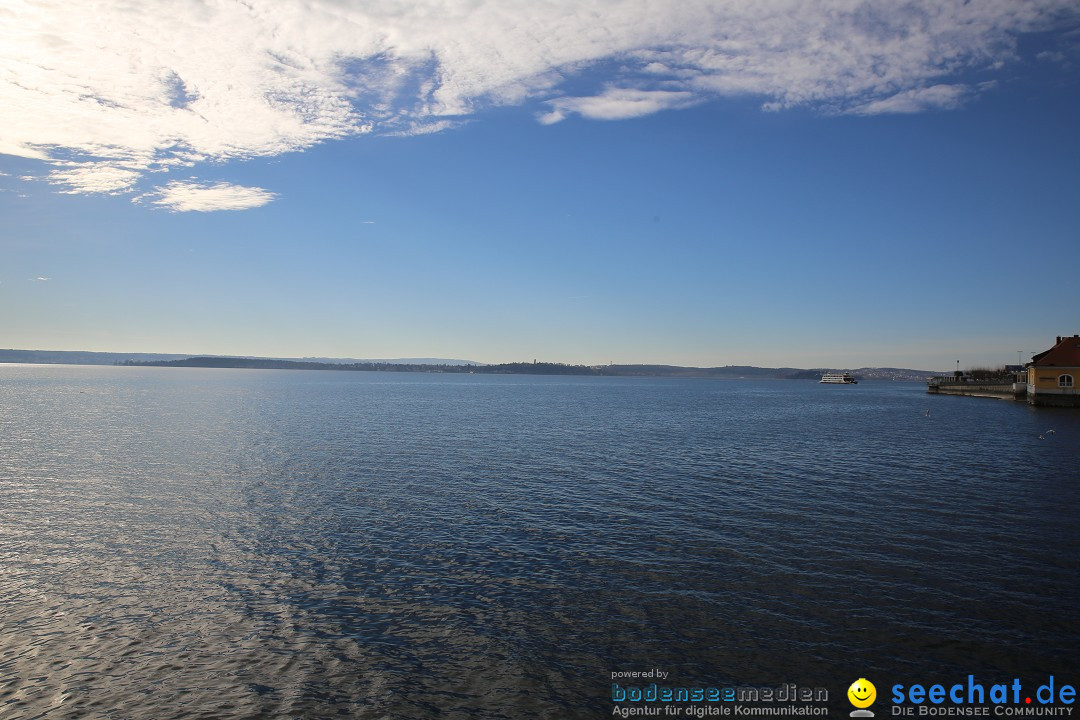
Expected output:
{"points": [[1054, 375]]}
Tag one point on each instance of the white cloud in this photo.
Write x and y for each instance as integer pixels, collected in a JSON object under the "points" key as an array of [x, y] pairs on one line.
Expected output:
{"points": [[108, 92], [425, 128], [202, 197], [1052, 56], [39, 279], [937, 97], [618, 104], [10, 148], [95, 177]]}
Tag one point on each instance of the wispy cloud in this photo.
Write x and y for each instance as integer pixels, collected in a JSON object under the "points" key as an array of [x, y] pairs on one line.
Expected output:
{"points": [[95, 177], [937, 97], [618, 104], [426, 127], [109, 93], [201, 197], [1052, 56], [39, 279]]}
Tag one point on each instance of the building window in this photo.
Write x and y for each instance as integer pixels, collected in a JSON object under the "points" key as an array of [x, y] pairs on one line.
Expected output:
{"points": [[1065, 381]]}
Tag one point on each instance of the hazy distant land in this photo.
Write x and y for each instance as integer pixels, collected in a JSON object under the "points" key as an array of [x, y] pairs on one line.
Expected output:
{"points": [[445, 365], [85, 357]]}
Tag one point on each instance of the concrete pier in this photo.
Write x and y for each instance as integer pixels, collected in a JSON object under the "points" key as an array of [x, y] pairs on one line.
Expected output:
{"points": [[1001, 389]]}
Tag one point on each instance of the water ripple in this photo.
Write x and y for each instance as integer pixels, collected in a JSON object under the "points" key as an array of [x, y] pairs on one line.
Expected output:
{"points": [[235, 544]]}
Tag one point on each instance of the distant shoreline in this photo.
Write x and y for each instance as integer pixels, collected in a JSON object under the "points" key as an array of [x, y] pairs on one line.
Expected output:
{"points": [[732, 372]]}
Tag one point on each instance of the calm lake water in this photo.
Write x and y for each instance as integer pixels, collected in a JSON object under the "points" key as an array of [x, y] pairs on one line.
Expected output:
{"points": [[190, 543]]}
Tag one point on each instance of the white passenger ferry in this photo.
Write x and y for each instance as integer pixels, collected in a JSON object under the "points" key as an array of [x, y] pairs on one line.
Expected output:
{"points": [[839, 379]]}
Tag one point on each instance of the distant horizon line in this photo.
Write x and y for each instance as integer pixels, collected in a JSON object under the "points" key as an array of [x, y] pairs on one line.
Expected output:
{"points": [[428, 360]]}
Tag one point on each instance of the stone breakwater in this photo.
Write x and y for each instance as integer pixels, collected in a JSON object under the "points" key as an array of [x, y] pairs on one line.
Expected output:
{"points": [[1005, 390]]}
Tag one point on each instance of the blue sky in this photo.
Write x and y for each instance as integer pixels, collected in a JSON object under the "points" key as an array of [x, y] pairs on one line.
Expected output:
{"points": [[769, 183]]}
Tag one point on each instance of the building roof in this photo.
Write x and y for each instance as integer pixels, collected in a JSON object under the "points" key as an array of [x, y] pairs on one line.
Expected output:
{"points": [[1066, 353]]}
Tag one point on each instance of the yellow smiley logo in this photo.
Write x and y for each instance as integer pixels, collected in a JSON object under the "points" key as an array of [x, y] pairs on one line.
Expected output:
{"points": [[862, 693]]}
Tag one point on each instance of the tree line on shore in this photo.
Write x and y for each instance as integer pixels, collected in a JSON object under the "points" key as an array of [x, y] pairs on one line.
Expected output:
{"points": [[514, 368]]}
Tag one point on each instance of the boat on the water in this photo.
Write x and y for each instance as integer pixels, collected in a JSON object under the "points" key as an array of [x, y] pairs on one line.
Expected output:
{"points": [[839, 379]]}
